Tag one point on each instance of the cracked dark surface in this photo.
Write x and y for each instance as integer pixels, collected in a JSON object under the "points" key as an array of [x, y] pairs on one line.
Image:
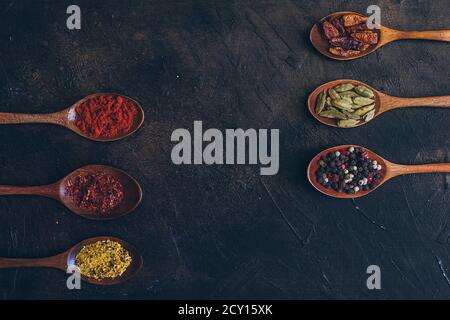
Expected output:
{"points": [[225, 231]]}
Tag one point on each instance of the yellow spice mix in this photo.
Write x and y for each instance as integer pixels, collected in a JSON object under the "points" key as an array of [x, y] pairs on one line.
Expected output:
{"points": [[103, 259]]}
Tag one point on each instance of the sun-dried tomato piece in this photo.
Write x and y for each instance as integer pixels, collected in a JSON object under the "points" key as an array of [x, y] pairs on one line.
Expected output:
{"points": [[338, 51], [330, 31], [368, 37], [353, 19]]}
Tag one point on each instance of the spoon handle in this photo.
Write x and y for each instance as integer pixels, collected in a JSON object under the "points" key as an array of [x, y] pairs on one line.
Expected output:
{"points": [[390, 102], [49, 191], [18, 118], [58, 262], [437, 35], [398, 169]]}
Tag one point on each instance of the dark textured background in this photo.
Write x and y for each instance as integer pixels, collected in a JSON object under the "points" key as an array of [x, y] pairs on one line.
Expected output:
{"points": [[225, 231]]}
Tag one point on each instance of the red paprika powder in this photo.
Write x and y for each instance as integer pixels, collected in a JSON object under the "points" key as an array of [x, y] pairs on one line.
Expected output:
{"points": [[105, 116]]}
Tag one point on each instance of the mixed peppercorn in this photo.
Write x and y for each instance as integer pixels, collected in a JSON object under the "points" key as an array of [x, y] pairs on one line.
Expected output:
{"points": [[348, 170], [348, 35]]}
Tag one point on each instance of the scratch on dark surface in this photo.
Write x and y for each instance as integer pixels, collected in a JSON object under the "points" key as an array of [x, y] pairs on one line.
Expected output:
{"points": [[10, 91], [428, 201], [174, 240], [444, 273], [410, 210], [16, 272], [361, 211], [10, 5], [255, 30], [297, 204], [275, 31], [239, 278], [291, 227], [402, 274], [258, 95]]}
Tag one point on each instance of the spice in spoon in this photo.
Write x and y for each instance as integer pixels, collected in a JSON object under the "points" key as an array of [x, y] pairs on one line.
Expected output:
{"points": [[103, 259], [349, 105], [98, 192], [348, 170], [106, 116], [348, 35]]}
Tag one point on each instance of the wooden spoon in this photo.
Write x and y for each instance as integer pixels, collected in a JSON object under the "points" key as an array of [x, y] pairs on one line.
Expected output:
{"points": [[385, 36], [389, 170], [383, 102], [57, 191], [66, 259], [67, 117]]}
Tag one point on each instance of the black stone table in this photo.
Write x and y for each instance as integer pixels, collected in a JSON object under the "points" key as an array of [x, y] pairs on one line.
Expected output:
{"points": [[225, 231]]}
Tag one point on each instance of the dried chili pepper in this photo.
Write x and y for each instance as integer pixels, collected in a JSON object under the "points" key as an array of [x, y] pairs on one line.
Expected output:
{"points": [[338, 51], [368, 37], [330, 30], [105, 116], [348, 35], [346, 43], [357, 27], [338, 24], [353, 19], [97, 193]]}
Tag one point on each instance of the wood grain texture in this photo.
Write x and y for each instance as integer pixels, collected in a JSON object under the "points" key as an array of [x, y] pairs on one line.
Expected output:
{"points": [[225, 231]]}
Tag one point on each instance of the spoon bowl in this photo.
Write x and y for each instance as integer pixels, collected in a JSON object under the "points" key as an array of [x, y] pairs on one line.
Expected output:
{"points": [[313, 166], [321, 44], [71, 118], [135, 266], [389, 170], [383, 102], [132, 192], [385, 36], [332, 122]]}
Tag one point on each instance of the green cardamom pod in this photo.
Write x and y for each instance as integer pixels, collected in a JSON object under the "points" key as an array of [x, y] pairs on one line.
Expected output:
{"points": [[348, 94], [342, 104], [320, 103], [350, 123], [362, 111], [369, 116], [364, 91], [348, 99], [351, 115], [333, 94], [333, 114], [343, 87], [362, 101]]}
